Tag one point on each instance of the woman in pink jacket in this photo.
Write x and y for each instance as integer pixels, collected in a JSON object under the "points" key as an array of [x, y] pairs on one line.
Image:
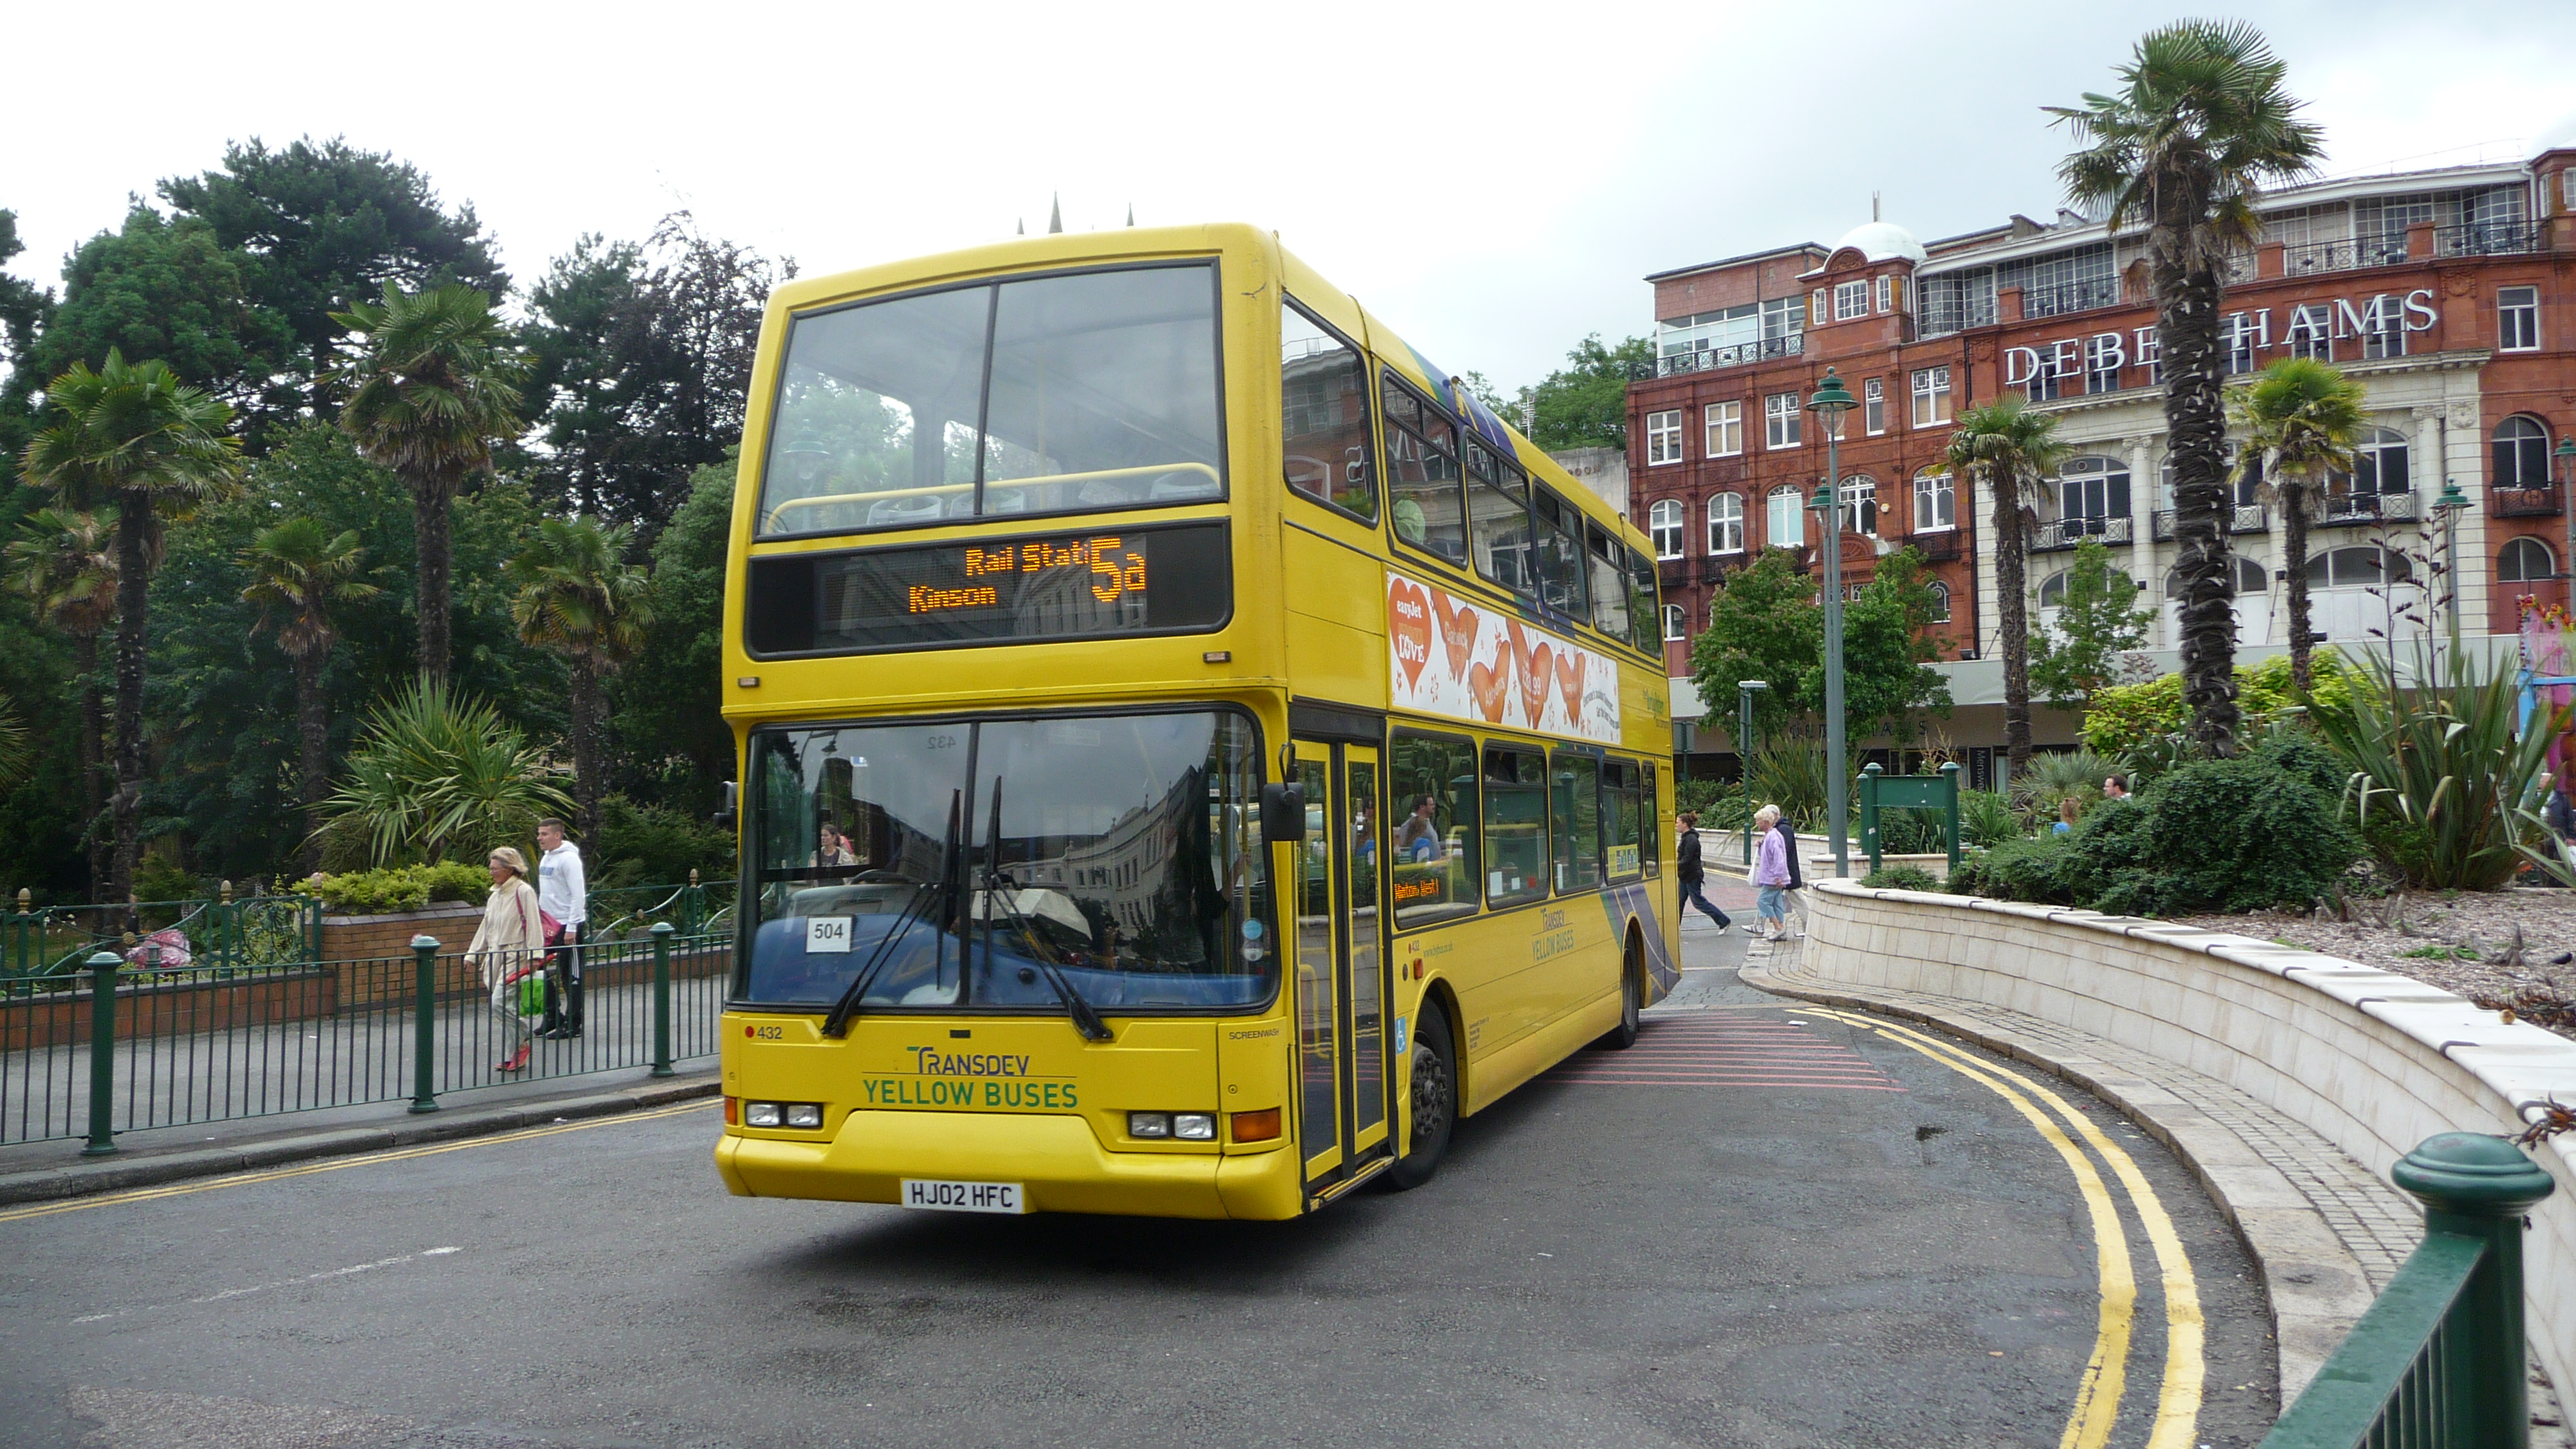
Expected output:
{"points": [[1771, 874]]}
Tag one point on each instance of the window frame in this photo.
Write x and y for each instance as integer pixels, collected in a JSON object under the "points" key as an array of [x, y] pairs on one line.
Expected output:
{"points": [[1940, 601], [1851, 300], [1885, 292], [1680, 526], [2525, 312], [1676, 621], [1934, 487], [1873, 406], [1459, 436], [1506, 472], [1495, 899], [1783, 422], [2523, 543], [1565, 877], [1797, 509], [1455, 910], [1372, 462], [1723, 433], [1857, 491], [2536, 447], [1716, 547], [1931, 391], [1663, 437]]}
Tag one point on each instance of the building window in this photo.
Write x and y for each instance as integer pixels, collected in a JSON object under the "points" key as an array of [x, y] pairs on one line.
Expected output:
{"points": [[1816, 315], [2150, 353], [1931, 396], [1935, 501], [1887, 294], [2521, 454], [2525, 561], [2357, 568], [2091, 491], [2311, 331], [1873, 406], [1851, 299], [2239, 336], [1780, 420], [1940, 602], [2517, 319], [1859, 505], [1664, 522], [2379, 463], [1664, 437], [2043, 382], [1784, 523], [2103, 356], [1673, 621], [2383, 328], [1725, 429], [1725, 524], [1782, 318]]}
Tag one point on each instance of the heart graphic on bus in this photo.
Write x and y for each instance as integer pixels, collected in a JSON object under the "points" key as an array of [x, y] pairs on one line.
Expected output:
{"points": [[1408, 628], [1536, 671], [1569, 682], [1457, 632], [1489, 684]]}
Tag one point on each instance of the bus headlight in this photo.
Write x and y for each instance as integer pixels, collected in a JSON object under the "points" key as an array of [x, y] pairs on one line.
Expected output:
{"points": [[1149, 1124], [804, 1114], [760, 1114], [1194, 1126]]}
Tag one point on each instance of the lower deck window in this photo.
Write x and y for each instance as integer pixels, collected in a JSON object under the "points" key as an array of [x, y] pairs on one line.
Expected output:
{"points": [[1431, 784], [1516, 847]]}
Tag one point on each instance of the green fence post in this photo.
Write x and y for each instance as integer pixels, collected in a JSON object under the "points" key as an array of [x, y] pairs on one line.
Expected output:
{"points": [[662, 933], [1869, 774], [102, 1053], [1950, 793], [2478, 1186], [424, 1023]]}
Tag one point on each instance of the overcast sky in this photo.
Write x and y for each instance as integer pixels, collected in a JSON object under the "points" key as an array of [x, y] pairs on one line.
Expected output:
{"points": [[1491, 180]]}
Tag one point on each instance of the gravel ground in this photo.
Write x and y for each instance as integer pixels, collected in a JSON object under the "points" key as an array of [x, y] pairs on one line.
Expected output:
{"points": [[2409, 935]]}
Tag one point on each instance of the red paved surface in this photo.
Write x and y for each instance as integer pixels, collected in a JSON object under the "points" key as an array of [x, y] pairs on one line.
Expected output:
{"points": [[1726, 1049]]}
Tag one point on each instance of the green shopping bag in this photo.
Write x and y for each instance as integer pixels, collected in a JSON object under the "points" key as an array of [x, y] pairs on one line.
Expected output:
{"points": [[532, 994]]}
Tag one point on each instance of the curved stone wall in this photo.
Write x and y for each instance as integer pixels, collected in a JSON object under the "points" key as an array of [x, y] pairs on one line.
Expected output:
{"points": [[2372, 1061]]}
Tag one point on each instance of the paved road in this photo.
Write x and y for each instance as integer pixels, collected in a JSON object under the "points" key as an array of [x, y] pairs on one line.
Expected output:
{"points": [[1764, 1226]]}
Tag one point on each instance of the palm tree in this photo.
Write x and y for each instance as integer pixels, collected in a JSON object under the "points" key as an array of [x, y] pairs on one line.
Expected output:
{"points": [[579, 598], [297, 573], [2201, 124], [2013, 451], [2300, 417], [63, 562], [134, 435], [434, 386]]}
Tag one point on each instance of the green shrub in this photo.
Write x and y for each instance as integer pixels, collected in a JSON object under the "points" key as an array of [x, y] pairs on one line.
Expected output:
{"points": [[2110, 866], [2127, 715], [654, 845], [399, 888], [2018, 869], [156, 879], [2246, 833], [1986, 818], [1901, 878], [437, 773]]}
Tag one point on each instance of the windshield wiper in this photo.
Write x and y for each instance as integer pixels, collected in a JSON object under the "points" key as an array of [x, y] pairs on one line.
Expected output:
{"points": [[998, 885], [837, 1024]]}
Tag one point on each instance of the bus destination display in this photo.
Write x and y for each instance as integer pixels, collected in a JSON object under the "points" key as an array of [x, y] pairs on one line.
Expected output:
{"points": [[1070, 585]]}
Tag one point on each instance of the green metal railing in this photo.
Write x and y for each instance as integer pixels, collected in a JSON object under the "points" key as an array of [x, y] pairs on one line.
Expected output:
{"points": [[695, 909], [226, 933], [2438, 1360], [117, 1047]]}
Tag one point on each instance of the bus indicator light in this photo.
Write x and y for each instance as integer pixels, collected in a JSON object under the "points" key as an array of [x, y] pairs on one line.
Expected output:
{"points": [[1261, 1126]]}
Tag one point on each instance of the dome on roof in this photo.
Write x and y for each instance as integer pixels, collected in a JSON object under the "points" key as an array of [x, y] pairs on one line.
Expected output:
{"points": [[1881, 241]]}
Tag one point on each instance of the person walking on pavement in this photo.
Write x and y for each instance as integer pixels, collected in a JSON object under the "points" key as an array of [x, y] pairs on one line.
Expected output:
{"points": [[1790, 893], [505, 950], [1771, 863], [564, 898], [1686, 862]]}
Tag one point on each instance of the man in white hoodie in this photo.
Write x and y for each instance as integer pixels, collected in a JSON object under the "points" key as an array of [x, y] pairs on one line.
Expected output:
{"points": [[564, 896]]}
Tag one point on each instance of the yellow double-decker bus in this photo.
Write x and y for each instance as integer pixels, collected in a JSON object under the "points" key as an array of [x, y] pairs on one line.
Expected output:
{"points": [[1192, 751]]}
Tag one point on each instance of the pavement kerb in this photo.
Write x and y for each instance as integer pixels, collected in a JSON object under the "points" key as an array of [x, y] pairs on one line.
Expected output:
{"points": [[2316, 1286], [88, 1178]]}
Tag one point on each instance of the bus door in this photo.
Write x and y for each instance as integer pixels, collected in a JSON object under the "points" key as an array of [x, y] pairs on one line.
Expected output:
{"points": [[1341, 962]]}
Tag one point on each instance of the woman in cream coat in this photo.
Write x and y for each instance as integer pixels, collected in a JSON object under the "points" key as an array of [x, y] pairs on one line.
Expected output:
{"points": [[508, 945]]}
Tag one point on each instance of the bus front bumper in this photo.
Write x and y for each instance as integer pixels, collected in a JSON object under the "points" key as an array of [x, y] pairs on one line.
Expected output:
{"points": [[1059, 1163]]}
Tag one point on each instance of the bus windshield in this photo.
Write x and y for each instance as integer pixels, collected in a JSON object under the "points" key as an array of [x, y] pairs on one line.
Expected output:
{"points": [[1079, 392], [1127, 857]]}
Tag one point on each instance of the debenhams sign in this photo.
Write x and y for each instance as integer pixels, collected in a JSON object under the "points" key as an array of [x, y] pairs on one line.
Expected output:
{"points": [[2309, 324]]}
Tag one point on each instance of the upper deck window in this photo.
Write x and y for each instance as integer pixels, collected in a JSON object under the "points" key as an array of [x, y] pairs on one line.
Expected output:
{"points": [[1422, 475], [1075, 393], [1323, 415]]}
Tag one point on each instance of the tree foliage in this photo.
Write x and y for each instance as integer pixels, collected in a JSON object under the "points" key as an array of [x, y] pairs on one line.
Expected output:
{"points": [[163, 289], [2102, 619], [1766, 624], [2010, 450], [439, 775], [1585, 404]]}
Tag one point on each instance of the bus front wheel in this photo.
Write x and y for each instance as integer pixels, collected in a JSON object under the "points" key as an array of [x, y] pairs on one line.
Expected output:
{"points": [[1432, 1106], [1632, 999]]}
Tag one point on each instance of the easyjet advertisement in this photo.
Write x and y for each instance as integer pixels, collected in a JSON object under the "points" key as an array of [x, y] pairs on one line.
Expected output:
{"points": [[1452, 656]]}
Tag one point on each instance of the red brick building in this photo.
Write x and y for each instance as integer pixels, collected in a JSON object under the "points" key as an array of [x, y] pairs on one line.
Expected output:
{"points": [[2449, 294]]}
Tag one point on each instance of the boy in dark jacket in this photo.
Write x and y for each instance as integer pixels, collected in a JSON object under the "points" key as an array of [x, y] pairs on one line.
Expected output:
{"points": [[1687, 865]]}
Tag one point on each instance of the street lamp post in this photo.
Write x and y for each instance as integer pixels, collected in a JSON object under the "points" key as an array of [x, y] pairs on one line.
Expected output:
{"points": [[1744, 689], [1830, 402], [2566, 455], [2448, 504]]}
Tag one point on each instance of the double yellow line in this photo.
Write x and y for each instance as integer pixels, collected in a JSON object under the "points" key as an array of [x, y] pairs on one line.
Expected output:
{"points": [[245, 1179], [2097, 1396]]}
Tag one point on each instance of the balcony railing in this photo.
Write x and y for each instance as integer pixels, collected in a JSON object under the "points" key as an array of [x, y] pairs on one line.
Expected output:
{"points": [[2070, 297], [1674, 573], [2353, 510], [2342, 256], [1715, 568], [2541, 502], [2065, 533], [1708, 359], [2491, 239], [1940, 545], [2243, 518]]}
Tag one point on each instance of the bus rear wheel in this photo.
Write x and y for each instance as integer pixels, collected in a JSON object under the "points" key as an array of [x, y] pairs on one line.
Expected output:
{"points": [[1432, 1106], [1632, 998]]}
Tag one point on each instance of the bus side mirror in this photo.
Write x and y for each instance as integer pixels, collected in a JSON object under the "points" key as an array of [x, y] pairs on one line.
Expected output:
{"points": [[725, 806], [1283, 814]]}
